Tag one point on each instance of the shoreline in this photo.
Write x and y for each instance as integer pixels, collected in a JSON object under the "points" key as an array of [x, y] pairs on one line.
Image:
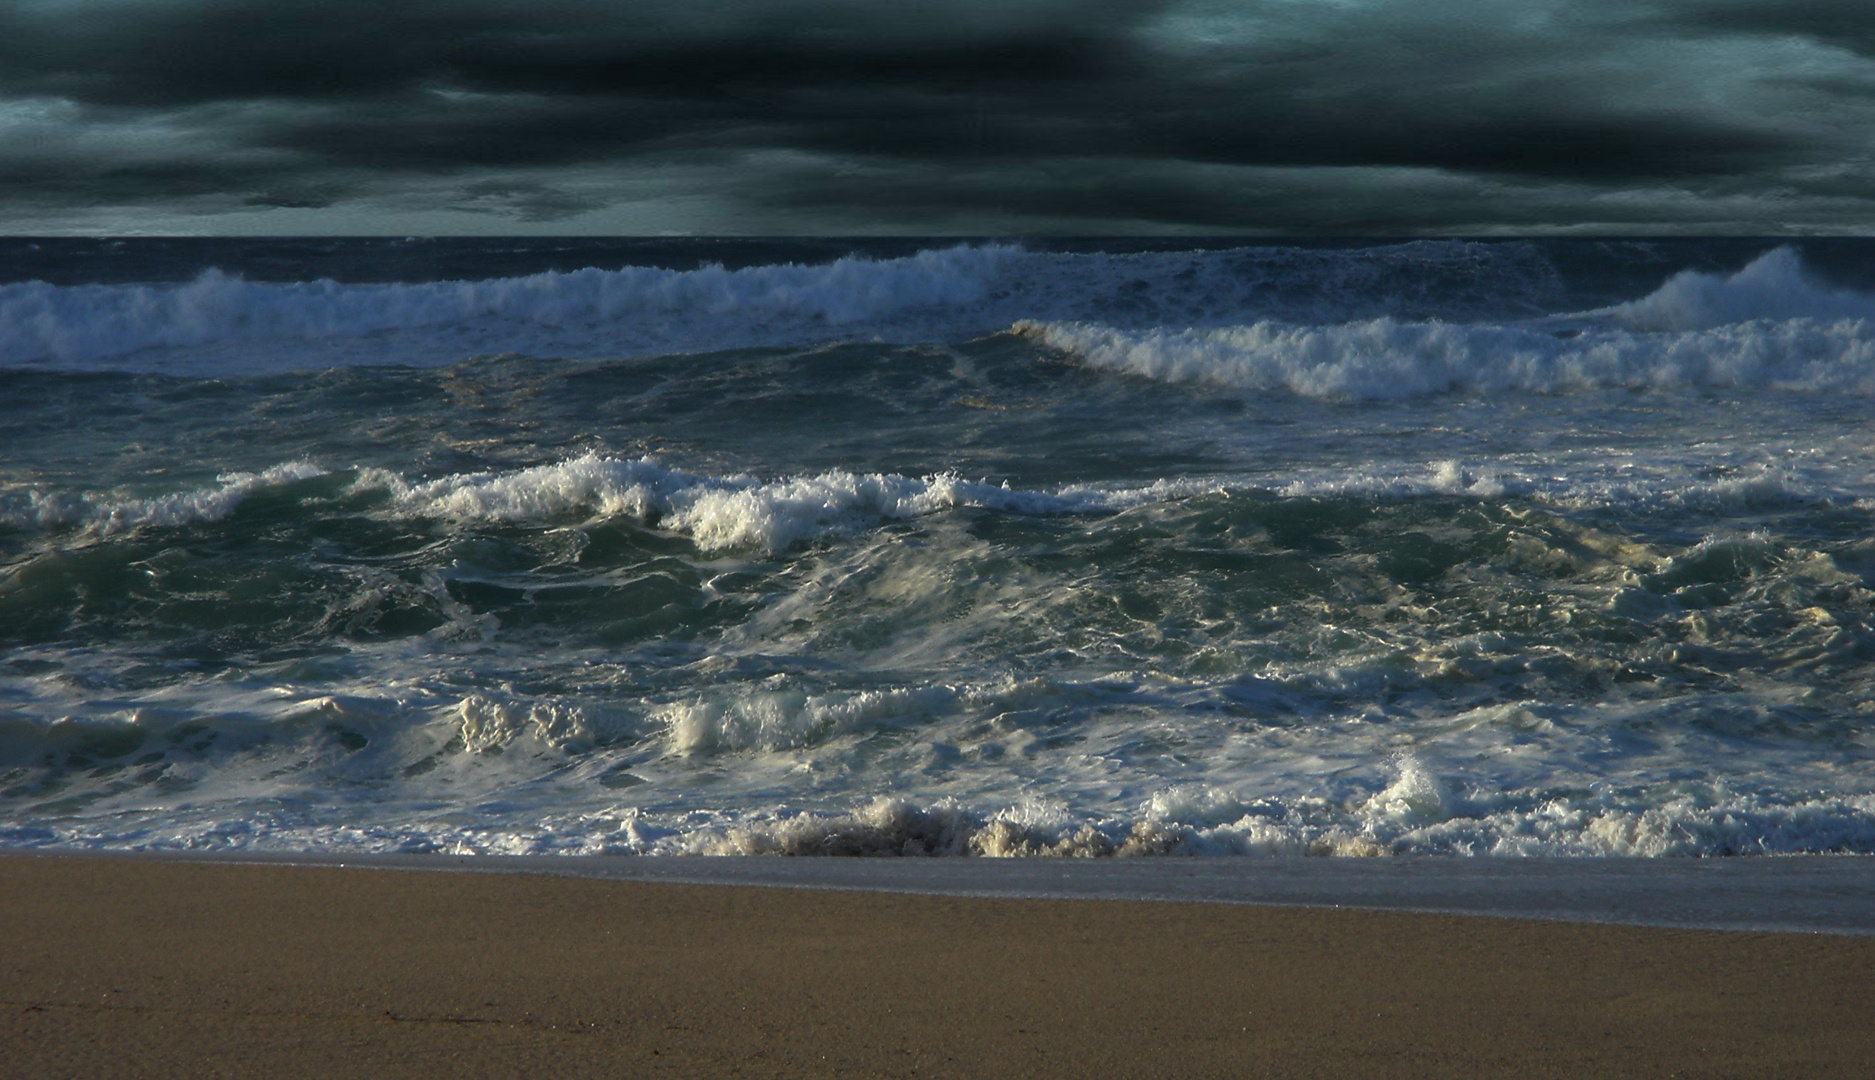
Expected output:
{"points": [[155, 967], [1833, 894]]}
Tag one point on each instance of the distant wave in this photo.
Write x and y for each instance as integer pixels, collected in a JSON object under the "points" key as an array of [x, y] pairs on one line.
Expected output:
{"points": [[1391, 321], [1773, 286], [1766, 326], [44, 323], [219, 323]]}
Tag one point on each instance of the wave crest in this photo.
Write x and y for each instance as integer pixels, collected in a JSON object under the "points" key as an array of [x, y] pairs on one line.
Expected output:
{"points": [[1384, 359], [717, 512], [221, 323], [1773, 286], [106, 515], [83, 325], [1412, 817]]}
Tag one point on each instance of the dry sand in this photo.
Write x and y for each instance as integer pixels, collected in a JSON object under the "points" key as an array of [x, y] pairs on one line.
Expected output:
{"points": [[127, 968]]}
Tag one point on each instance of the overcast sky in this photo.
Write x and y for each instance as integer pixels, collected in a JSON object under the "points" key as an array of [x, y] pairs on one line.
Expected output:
{"points": [[937, 116]]}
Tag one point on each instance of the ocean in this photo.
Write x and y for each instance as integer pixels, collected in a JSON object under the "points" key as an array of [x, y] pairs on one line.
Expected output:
{"points": [[900, 547]]}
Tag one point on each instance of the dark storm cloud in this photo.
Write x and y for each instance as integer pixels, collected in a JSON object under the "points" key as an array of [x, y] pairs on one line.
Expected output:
{"points": [[191, 51], [1047, 111], [1847, 24]]}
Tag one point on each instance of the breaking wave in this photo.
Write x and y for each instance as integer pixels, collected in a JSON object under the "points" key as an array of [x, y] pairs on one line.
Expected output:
{"points": [[1392, 822], [1387, 359], [748, 513], [716, 512], [388, 609], [111, 513], [86, 324], [1416, 815], [1766, 326], [1772, 287], [1689, 827], [222, 322]]}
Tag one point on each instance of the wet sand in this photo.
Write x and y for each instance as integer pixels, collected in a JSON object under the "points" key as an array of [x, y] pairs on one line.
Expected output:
{"points": [[146, 968]]}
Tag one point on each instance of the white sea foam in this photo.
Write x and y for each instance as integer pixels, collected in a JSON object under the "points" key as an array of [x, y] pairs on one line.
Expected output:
{"points": [[1588, 484], [490, 723], [1768, 325], [219, 323], [785, 719], [776, 718], [1739, 825], [83, 325], [110, 513], [391, 767], [1388, 359], [717, 512], [1413, 816], [1257, 318], [744, 512], [1773, 287], [1461, 663]]}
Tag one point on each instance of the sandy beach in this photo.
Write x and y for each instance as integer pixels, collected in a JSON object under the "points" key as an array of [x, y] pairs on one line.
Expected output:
{"points": [[130, 968]]}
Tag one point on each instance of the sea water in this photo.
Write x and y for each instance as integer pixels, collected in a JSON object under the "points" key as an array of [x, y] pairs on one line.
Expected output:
{"points": [[1520, 547]]}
